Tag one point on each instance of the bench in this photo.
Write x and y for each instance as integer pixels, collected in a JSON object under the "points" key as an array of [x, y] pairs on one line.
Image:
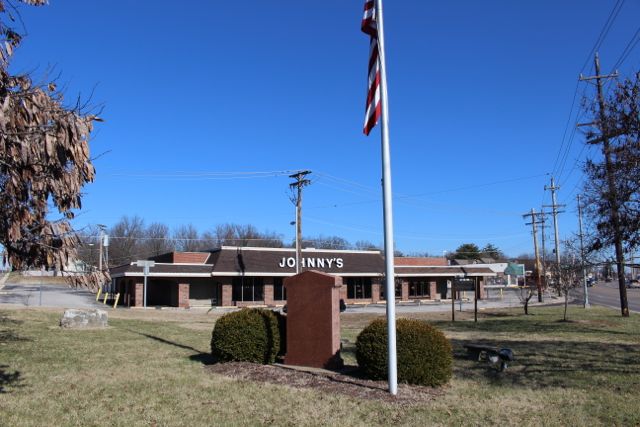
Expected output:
{"points": [[498, 357]]}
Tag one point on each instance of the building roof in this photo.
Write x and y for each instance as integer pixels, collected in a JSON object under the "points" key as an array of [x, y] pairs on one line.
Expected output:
{"points": [[281, 261], [253, 261]]}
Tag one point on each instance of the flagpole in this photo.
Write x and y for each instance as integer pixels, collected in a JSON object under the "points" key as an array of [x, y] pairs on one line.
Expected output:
{"points": [[387, 210]]}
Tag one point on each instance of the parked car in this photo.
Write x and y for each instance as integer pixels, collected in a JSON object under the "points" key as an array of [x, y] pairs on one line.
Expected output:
{"points": [[635, 283]]}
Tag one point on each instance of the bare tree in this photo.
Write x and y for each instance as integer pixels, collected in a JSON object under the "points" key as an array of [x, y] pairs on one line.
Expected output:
{"points": [[125, 240], [525, 295], [156, 240], [327, 242], [365, 245], [186, 238], [245, 235], [567, 276], [613, 184], [89, 249], [44, 163]]}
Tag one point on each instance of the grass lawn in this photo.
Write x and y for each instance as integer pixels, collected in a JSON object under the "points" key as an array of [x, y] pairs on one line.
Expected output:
{"points": [[148, 368]]}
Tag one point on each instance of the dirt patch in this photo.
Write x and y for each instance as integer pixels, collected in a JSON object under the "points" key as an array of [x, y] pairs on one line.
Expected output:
{"points": [[326, 382]]}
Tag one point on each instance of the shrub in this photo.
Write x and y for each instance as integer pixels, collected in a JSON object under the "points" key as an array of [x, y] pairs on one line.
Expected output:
{"points": [[282, 330], [248, 335], [424, 354]]}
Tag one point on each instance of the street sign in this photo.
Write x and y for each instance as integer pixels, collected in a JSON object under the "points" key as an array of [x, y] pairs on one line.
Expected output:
{"points": [[514, 269], [465, 284]]}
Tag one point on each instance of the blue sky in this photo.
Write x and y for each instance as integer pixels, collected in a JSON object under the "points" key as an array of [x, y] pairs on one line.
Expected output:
{"points": [[480, 95]]}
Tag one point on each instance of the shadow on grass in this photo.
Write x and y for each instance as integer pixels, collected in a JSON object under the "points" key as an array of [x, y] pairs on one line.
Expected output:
{"points": [[564, 364], [8, 378], [204, 358]]}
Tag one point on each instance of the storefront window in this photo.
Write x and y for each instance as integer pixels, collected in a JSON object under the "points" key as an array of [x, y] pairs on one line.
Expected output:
{"points": [[398, 286], [279, 291], [358, 287], [418, 288], [248, 289]]}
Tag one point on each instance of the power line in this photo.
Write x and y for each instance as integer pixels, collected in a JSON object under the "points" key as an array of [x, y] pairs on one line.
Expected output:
{"points": [[603, 32], [627, 50], [205, 175]]}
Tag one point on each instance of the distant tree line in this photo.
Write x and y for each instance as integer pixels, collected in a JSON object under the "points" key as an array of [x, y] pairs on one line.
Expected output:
{"points": [[130, 239], [471, 251]]}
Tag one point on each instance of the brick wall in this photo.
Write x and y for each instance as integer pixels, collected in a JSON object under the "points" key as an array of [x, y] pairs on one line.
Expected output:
{"points": [[138, 295], [190, 257], [227, 294], [375, 291], [433, 290], [421, 261], [405, 290], [268, 291], [183, 295]]}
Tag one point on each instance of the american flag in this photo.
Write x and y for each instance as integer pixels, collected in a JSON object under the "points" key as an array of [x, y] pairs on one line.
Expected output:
{"points": [[373, 108]]}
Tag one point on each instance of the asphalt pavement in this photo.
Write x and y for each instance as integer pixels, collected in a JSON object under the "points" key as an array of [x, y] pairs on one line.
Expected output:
{"points": [[48, 295], [608, 295]]}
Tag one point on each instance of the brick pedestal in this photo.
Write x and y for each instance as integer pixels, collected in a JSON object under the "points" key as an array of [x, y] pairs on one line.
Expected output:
{"points": [[433, 290], [183, 295], [313, 320], [227, 294], [268, 292], [138, 295], [405, 290], [375, 291], [481, 290]]}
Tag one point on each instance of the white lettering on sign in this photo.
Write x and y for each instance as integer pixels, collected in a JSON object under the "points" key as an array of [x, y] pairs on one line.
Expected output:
{"points": [[312, 262]]}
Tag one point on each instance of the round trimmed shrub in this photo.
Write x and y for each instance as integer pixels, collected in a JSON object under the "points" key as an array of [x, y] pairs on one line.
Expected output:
{"points": [[424, 354], [248, 335]]}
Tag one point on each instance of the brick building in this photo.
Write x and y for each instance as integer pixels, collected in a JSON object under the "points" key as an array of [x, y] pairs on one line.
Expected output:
{"points": [[250, 276]]}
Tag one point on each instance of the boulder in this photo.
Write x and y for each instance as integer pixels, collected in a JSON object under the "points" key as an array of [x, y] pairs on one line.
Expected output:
{"points": [[83, 318]]}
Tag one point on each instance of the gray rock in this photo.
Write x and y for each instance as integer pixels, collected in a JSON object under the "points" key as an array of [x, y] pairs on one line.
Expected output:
{"points": [[83, 318]]}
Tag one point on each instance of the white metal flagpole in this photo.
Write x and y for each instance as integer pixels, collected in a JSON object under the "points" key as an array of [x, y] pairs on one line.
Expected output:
{"points": [[387, 209]]}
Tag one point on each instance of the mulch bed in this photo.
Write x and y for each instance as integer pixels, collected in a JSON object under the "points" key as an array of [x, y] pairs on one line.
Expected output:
{"points": [[326, 382]]}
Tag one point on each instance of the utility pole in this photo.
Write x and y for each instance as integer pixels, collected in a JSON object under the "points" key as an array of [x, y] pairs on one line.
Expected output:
{"points": [[612, 192], [299, 183], [544, 250], [584, 271], [534, 231], [554, 206], [100, 251]]}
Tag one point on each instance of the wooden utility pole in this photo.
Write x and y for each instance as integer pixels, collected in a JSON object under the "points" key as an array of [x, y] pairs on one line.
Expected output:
{"points": [[554, 206], [299, 183], [544, 250], [612, 196], [584, 271], [534, 231]]}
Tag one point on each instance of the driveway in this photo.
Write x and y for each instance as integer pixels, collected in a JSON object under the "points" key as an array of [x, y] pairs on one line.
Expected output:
{"points": [[49, 295]]}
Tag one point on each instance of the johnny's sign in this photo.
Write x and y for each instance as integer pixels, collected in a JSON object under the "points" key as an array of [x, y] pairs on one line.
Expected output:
{"points": [[312, 262]]}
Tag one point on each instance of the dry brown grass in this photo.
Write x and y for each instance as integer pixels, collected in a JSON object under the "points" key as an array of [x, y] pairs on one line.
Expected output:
{"points": [[153, 368]]}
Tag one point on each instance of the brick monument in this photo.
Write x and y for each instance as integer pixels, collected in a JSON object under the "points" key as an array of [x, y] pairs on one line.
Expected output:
{"points": [[313, 320]]}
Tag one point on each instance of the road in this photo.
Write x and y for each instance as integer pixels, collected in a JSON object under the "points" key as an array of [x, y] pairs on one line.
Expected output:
{"points": [[608, 295]]}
